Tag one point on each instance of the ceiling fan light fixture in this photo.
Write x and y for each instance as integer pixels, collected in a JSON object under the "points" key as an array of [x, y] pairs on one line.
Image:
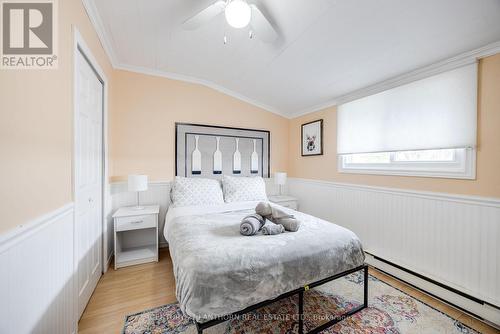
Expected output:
{"points": [[238, 13]]}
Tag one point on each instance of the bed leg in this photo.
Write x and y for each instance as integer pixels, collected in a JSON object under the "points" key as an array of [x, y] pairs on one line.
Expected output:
{"points": [[365, 295], [301, 312], [199, 330]]}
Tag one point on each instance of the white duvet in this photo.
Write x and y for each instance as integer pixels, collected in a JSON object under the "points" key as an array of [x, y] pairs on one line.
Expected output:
{"points": [[218, 271]]}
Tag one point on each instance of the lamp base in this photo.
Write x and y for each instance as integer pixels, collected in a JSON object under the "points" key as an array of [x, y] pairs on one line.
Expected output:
{"points": [[138, 206]]}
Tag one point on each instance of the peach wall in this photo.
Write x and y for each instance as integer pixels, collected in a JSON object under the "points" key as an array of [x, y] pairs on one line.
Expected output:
{"points": [[36, 124], [36, 130], [145, 109], [488, 153]]}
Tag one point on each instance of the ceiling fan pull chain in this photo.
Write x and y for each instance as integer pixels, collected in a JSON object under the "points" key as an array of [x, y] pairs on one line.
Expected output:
{"points": [[239, 14]]}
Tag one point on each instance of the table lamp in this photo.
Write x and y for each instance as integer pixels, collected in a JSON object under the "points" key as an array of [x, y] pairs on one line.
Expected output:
{"points": [[280, 180], [137, 183]]}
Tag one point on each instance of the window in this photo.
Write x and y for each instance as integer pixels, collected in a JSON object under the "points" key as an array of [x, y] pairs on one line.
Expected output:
{"points": [[448, 163], [424, 128]]}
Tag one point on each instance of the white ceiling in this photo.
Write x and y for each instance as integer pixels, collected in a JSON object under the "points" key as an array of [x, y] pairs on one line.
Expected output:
{"points": [[326, 49]]}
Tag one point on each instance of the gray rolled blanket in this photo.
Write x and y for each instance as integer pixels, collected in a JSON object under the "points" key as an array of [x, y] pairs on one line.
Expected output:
{"points": [[278, 216], [251, 224], [290, 224], [270, 229], [264, 209]]}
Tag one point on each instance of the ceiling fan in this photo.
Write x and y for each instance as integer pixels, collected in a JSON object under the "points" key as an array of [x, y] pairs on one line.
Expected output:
{"points": [[239, 14]]}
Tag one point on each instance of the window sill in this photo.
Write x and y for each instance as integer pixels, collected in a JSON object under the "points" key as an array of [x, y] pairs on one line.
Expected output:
{"points": [[465, 170], [466, 176]]}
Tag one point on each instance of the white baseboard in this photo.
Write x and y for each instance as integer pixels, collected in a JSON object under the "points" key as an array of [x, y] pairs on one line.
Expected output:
{"points": [[109, 261], [481, 311]]}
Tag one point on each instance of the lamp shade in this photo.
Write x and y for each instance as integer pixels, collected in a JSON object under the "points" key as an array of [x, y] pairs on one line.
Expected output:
{"points": [[280, 178], [137, 182]]}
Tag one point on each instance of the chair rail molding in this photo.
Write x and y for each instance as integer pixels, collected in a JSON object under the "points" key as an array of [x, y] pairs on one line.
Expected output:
{"points": [[23, 231], [459, 198]]}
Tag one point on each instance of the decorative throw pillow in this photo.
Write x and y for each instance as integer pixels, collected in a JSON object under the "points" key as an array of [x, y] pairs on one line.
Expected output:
{"points": [[196, 191], [239, 188]]}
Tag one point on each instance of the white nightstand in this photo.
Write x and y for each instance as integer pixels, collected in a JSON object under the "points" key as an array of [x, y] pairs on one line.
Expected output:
{"points": [[286, 201], [136, 235]]}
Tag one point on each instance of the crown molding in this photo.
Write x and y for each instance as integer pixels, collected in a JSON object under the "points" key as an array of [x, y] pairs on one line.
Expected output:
{"points": [[449, 64], [107, 44], [417, 74], [96, 21], [315, 108], [206, 83]]}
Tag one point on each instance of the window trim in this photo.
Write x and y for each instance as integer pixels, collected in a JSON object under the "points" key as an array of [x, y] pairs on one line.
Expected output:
{"points": [[463, 168]]}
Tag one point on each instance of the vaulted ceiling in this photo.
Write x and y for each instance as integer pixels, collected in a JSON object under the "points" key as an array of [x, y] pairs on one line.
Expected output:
{"points": [[326, 48]]}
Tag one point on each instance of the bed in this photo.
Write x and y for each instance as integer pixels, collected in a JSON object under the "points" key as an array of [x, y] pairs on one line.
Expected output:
{"points": [[220, 273]]}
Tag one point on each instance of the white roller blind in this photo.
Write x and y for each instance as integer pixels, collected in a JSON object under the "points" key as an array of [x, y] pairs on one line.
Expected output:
{"points": [[432, 113]]}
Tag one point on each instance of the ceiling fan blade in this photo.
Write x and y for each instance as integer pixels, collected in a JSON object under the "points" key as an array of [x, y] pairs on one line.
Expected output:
{"points": [[204, 16], [261, 25]]}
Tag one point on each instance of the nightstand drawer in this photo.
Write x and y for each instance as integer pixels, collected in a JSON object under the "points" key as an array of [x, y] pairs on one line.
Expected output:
{"points": [[135, 222], [290, 204]]}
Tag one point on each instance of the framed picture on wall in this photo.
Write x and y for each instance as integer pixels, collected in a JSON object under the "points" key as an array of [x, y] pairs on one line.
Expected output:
{"points": [[312, 138]]}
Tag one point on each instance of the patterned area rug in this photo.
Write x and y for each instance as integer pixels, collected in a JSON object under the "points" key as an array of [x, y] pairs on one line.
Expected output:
{"points": [[390, 311]]}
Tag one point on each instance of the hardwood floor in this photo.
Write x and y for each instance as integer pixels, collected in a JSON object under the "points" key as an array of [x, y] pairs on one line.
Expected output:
{"points": [[134, 289], [451, 311], [127, 291]]}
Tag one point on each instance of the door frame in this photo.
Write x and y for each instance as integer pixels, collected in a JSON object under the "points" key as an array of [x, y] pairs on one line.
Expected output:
{"points": [[80, 46]]}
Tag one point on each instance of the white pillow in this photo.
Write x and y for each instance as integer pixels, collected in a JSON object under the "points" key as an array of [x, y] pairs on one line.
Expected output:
{"points": [[196, 191], [239, 188]]}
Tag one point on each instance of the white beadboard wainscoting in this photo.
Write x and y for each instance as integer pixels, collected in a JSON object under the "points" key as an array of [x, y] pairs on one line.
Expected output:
{"points": [[37, 291], [450, 239]]}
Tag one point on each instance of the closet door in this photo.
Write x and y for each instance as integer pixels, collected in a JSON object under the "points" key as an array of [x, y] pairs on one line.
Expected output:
{"points": [[88, 179]]}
